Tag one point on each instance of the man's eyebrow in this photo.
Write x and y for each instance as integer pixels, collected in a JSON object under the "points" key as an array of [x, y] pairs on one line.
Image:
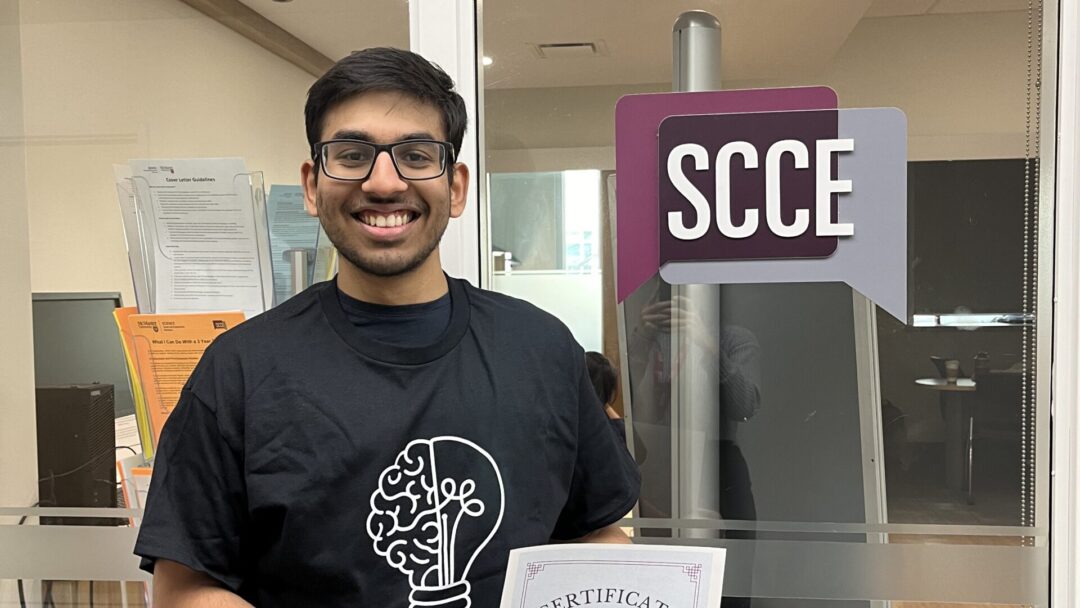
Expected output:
{"points": [[418, 135], [365, 136], [351, 134]]}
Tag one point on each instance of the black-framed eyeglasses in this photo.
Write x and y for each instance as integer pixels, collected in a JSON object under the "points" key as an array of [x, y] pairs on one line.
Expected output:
{"points": [[353, 159]]}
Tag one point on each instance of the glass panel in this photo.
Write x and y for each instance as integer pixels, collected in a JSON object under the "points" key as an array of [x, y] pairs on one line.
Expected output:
{"points": [[75, 594], [797, 424], [545, 235], [89, 86]]}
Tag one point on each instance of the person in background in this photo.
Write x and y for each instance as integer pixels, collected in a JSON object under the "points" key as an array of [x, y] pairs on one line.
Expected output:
{"points": [[383, 439], [605, 380]]}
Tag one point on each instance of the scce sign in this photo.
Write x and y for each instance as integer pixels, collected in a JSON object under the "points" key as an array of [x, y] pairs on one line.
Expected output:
{"points": [[751, 186], [762, 186], [748, 159]]}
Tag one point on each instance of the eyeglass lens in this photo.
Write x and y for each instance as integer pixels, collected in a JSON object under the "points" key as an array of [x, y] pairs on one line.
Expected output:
{"points": [[413, 159]]}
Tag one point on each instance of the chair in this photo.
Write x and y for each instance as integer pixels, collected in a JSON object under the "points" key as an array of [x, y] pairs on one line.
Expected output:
{"points": [[995, 416]]}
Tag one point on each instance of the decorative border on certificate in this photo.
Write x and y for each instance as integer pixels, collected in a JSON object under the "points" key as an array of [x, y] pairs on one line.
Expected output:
{"points": [[692, 570], [561, 576]]}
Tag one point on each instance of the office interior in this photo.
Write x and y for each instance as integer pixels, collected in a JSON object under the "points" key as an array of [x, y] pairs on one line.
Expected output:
{"points": [[91, 84]]}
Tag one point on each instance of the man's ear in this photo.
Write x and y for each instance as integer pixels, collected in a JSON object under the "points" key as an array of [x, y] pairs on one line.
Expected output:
{"points": [[459, 189], [309, 177]]}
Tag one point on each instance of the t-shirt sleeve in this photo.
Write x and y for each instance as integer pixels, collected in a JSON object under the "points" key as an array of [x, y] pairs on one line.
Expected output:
{"points": [[195, 512], [606, 481]]}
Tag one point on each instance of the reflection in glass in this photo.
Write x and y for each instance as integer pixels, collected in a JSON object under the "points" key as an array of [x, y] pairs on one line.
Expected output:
{"points": [[675, 347]]}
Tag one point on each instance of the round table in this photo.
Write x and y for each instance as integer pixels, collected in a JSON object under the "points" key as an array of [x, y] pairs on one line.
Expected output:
{"points": [[959, 429]]}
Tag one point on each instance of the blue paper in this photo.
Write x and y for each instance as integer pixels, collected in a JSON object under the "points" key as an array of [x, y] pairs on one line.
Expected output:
{"points": [[290, 228]]}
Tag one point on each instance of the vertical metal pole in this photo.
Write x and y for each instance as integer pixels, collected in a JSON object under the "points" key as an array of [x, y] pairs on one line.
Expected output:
{"points": [[298, 270], [695, 398], [696, 52]]}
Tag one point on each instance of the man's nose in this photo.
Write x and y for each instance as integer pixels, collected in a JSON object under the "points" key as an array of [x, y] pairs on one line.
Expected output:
{"points": [[384, 179]]}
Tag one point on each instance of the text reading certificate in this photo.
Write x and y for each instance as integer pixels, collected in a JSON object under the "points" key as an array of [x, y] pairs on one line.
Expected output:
{"points": [[203, 230], [560, 576]]}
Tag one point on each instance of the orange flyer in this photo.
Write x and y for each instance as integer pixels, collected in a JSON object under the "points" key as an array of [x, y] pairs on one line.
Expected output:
{"points": [[166, 350]]}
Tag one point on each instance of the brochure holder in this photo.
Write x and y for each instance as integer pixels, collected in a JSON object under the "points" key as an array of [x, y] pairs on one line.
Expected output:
{"points": [[133, 242], [142, 414], [150, 231], [262, 233]]}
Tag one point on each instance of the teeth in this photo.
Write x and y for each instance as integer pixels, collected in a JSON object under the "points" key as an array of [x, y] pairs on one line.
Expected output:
{"points": [[399, 218]]}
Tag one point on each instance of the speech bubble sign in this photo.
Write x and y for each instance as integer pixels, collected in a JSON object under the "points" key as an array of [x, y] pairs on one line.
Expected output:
{"points": [[637, 121], [735, 223], [873, 260]]}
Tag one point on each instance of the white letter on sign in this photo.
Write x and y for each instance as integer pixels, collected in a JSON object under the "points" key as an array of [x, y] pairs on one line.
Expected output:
{"points": [[678, 179], [723, 190], [826, 185], [772, 188]]}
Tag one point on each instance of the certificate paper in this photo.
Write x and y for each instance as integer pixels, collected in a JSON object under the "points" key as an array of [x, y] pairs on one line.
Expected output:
{"points": [[202, 235], [584, 575]]}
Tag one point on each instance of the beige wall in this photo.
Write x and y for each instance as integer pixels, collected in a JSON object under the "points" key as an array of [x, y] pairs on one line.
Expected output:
{"points": [[18, 445], [959, 78], [85, 87], [146, 79], [18, 441]]}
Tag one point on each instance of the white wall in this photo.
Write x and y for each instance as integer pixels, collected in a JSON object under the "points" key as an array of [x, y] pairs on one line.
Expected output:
{"points": [[138, 79], [961, 80]]}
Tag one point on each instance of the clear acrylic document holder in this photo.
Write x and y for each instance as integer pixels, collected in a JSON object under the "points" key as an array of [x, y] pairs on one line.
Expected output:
{"points": [[149, 220]]}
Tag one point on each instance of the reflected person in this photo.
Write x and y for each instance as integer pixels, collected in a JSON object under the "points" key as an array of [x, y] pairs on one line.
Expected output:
{"points": [[671, 341]]}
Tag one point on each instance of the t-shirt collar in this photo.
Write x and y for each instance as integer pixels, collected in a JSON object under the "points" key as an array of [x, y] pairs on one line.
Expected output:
{"points": [[389, 353]]}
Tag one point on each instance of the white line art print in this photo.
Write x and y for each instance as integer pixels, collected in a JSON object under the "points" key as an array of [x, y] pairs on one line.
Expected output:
{"points": [[436, 508]]}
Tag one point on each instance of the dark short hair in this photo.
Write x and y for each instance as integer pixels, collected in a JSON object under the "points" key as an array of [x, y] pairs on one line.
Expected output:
{"points": [[386, 69], [603, 376]]}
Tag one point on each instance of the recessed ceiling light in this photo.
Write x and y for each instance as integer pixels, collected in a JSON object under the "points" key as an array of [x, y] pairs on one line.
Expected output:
{"points": [[487, 60], [283, 1]]}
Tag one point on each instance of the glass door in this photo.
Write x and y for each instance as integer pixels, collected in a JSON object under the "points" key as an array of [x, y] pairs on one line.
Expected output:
{"points": [[820, 440]]}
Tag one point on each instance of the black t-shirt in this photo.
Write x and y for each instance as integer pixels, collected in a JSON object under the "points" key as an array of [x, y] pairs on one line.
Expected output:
{"points": [[308, 465], [410, 325]]}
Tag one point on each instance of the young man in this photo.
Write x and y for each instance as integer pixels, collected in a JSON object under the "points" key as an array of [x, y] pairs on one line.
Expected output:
{"points": [[383, 439]]}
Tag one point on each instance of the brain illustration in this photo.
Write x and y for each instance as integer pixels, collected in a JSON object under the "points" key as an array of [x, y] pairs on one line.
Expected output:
{"points": [[435, 509]]}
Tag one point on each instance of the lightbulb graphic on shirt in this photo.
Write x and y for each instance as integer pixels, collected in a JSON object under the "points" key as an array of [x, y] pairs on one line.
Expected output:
{"points": [[436, 508]]}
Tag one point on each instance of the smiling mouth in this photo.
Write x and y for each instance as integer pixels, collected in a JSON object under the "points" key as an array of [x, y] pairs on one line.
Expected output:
{"points": [[386, 220]]}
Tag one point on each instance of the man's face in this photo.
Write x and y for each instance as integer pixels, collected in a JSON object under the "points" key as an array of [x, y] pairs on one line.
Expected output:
{"points": [[414, 214]]}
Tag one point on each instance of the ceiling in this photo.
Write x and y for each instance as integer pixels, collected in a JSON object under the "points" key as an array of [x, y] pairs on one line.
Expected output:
{"points": [[762, 39], [336, 28]]}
